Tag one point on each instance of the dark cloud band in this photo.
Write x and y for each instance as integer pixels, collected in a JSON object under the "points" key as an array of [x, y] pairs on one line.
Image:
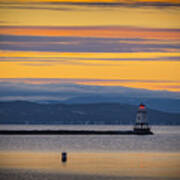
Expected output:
{"points": [[56, 5], [86, 44]]}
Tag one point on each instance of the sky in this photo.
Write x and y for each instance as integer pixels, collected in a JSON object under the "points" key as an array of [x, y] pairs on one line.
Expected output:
{"points": [[88, 43]]}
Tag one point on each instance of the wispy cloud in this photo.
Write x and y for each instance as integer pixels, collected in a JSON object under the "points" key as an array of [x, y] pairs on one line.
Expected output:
{"points": [[121, 3], [75, 81], [35, 6], [57, 4], [84, 58], [74, 60], [86, 44], [93, 32], [61, 89]]}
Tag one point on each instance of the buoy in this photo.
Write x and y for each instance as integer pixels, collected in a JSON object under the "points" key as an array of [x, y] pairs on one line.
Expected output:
{"points": [[64, 157]]}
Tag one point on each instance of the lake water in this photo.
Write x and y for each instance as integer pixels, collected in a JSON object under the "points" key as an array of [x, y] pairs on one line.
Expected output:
{"points": [[94, 157], [165, 139]]}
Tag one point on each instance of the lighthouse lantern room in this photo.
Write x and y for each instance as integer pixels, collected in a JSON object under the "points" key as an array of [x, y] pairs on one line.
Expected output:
{"points": [[141, 125]]}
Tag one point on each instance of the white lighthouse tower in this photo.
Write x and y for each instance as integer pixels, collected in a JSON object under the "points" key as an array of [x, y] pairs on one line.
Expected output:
{"points": [[141, 125]]}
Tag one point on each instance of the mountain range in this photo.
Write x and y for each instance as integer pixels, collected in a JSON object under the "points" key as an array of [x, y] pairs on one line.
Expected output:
{"points": [[23, 112]]}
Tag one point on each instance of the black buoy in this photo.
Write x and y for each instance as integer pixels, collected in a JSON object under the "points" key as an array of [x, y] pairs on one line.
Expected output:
{"points": [[64, 157]]}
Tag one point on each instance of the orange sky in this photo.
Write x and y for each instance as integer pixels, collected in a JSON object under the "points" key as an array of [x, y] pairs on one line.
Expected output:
{"points": [[147, 40]]}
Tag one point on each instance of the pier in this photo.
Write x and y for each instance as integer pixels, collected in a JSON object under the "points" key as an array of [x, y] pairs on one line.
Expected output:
{"points": [[72, 132]]}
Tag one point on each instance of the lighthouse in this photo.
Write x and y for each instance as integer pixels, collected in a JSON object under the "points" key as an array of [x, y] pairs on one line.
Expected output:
{"points": [[141, 126]]}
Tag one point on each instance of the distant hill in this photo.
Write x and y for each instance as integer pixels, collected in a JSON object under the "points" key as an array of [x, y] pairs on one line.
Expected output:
{"points": [[22, 112], [160, 104]]}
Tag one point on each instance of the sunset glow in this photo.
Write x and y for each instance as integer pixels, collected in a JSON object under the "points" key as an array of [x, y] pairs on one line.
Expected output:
{"points": [[104, 43]]}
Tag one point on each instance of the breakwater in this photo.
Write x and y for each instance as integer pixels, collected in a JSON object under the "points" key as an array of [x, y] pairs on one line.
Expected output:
{"points": [[72, 132]]}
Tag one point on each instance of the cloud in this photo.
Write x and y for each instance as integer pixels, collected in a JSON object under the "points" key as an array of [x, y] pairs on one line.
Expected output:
{"points": [[125, 32], [69, 90], [86, 44], [34, 6], [35, 61], [75, 80], [170, 86], [67, 5], [2, 22], [61, 89], [22, 38], [36, 64], [121, 3]]}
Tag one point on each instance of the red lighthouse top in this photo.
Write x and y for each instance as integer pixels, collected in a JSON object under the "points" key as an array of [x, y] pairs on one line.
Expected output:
{"points": [[141, 106]]}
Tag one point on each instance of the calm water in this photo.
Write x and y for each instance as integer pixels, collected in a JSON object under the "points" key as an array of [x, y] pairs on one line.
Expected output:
{"points": [[165, 139]]}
